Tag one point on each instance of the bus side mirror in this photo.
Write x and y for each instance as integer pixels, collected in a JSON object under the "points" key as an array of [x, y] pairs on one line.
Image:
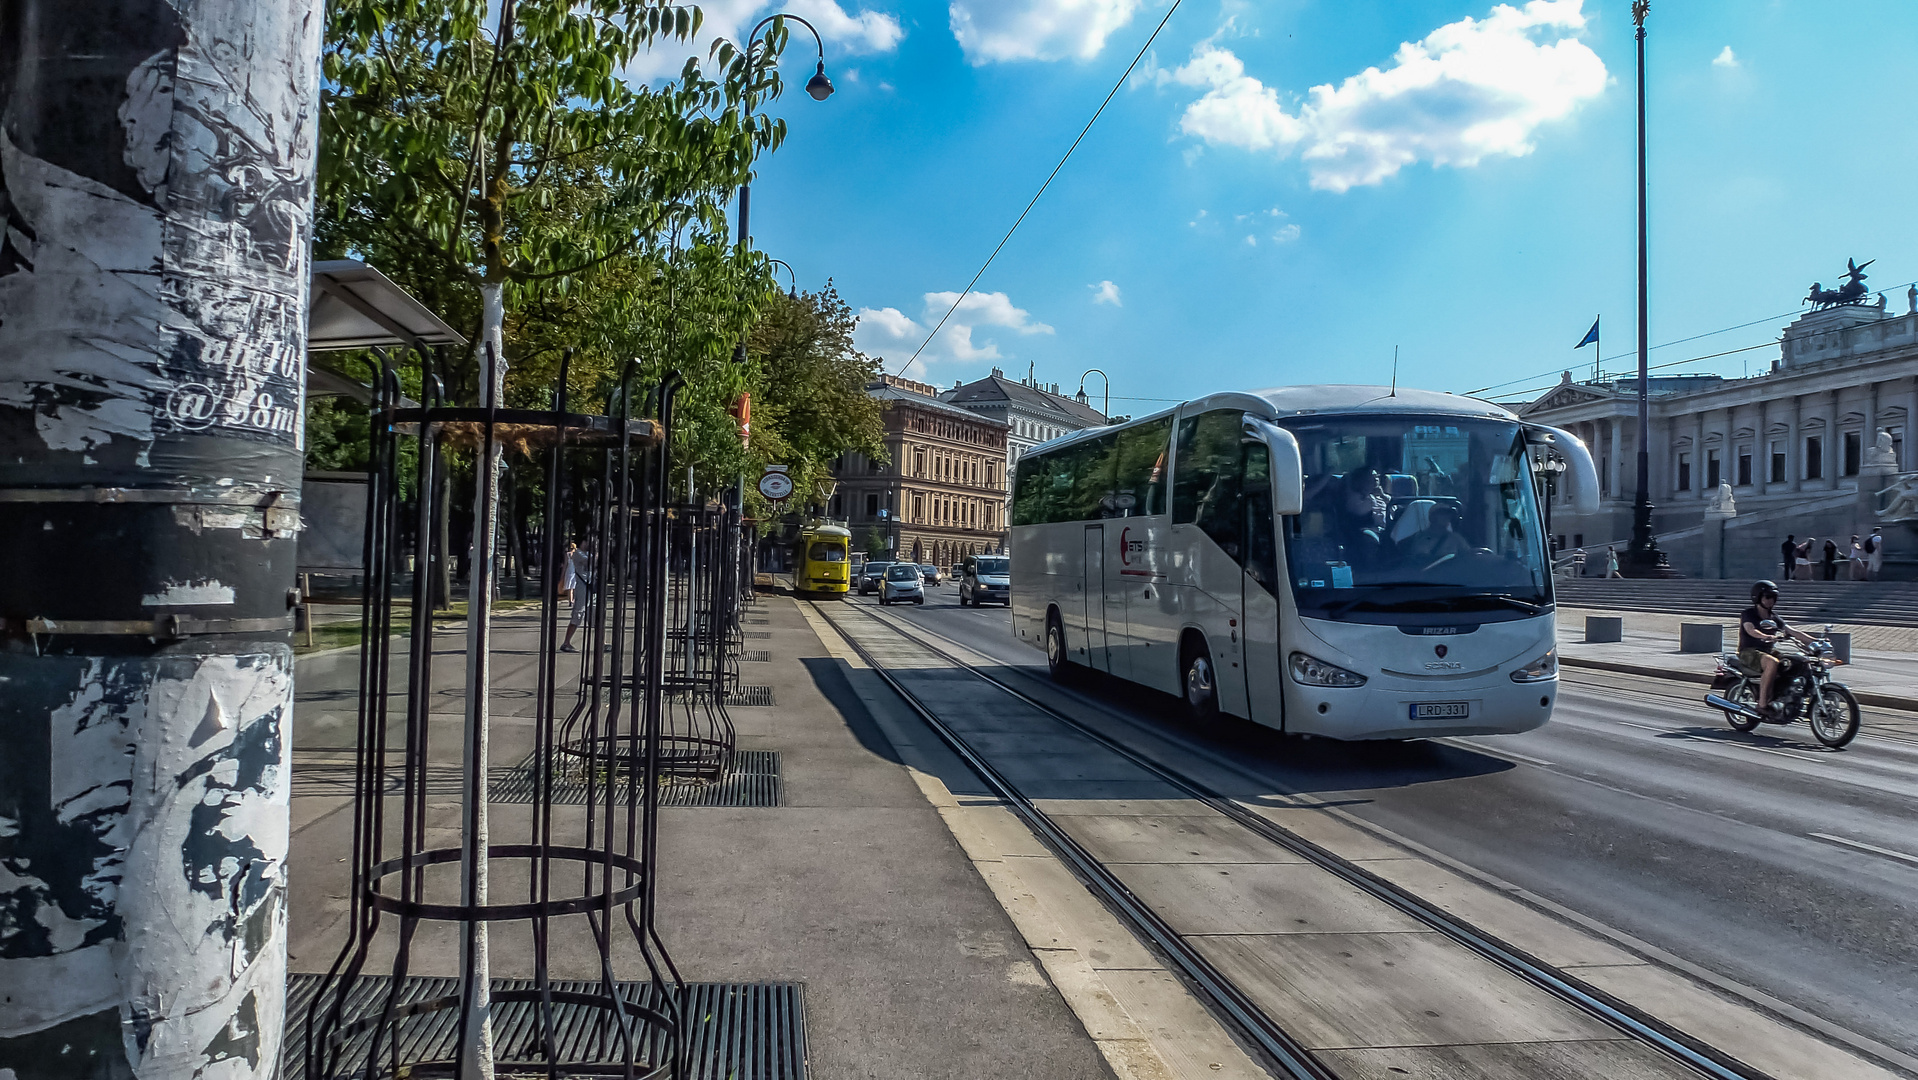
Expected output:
{"points": [[1288, 471], [1581, 475]]}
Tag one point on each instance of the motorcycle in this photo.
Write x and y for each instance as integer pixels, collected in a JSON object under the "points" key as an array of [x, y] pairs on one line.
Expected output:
{"points": [[1802, 690]]}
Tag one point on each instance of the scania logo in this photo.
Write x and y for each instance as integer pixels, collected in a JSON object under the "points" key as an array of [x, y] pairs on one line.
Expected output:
{"points": [[1443, 665], [1440, 650]]}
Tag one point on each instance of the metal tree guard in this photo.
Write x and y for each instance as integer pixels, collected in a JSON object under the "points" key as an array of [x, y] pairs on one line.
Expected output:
{"points": [[582, 874]]}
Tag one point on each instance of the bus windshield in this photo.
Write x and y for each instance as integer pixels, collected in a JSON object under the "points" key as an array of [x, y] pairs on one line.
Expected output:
{"points": [[1415, 516]]}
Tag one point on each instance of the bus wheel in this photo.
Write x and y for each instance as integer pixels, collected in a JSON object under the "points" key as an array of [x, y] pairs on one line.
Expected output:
{"points": [[1201, 687], [1056, 661]]}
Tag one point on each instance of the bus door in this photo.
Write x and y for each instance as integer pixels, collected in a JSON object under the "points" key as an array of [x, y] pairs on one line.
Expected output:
{"points": [[1264, 693], [1272, 484], [1097, 655]]}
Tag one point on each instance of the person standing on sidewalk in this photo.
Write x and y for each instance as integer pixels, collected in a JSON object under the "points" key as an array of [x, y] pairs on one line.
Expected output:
{"points": [[1788, 552], [579, 586], [1801, 561], [1857, 559], [1611, 563], [1874, 555], [1831, 560]]}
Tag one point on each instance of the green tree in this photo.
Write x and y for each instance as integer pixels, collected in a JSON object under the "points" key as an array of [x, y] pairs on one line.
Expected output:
{"points": [[810, 404]]}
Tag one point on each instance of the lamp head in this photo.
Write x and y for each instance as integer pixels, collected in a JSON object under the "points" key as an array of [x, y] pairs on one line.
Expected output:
{"points": [[819, 86]]}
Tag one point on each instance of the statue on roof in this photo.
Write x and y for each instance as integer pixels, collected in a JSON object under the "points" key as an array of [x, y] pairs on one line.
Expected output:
{"points": [[1853, 291]]}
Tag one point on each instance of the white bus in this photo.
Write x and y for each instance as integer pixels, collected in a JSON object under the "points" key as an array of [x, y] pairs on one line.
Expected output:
{"points": [[1340, 561]]}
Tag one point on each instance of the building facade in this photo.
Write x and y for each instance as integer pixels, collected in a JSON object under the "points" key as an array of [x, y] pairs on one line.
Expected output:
{"points": [[1033, 413], [942, 496], [1807, 448]]}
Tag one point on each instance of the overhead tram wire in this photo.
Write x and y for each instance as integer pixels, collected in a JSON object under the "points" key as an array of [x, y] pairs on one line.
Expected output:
{"points": [[1800, 310], [1042, 187]]}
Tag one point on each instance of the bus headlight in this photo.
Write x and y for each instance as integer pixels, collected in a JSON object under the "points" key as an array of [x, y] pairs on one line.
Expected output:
{"points": [[1312, 671], [1539, 670]]}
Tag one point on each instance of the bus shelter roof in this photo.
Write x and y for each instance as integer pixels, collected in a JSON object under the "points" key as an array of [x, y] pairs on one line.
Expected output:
{"points": [[354, 306]]}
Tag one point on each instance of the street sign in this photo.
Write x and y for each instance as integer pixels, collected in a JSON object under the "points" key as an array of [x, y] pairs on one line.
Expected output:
{"points": [[776, 485]]}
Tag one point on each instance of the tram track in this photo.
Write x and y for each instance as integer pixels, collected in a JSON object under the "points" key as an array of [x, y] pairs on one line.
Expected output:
{"points": [[1229, 1001]]}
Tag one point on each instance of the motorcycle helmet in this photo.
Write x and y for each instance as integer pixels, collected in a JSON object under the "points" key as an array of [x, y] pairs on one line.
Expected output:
{"points": [[1763, 589]]}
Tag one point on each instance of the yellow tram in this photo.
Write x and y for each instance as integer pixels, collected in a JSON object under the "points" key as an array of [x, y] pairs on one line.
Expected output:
{"points": [[824, 565]]}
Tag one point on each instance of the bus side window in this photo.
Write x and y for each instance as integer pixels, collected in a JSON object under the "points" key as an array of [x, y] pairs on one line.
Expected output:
{"points": [[1139, 476], [1208, 451]]}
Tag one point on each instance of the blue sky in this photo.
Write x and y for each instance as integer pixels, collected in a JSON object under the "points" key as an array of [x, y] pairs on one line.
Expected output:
{"points": [[1460, 183]]}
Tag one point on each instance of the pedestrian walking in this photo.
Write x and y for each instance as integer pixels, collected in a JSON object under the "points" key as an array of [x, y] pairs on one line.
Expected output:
{"points": [[1801, 559], [1788, 552], [1831, 560], [567, 577], [1578, 563], [1611, 563], [579, 568], [1874, 555], [1857, 559]]}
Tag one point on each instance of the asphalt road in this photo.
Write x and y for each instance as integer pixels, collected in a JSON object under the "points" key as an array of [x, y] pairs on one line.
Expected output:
{"points": [[1748, 855]]}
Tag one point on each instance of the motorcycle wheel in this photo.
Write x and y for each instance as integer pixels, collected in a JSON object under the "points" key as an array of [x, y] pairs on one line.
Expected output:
{"points": [[1835, 722], [1744, 695]]}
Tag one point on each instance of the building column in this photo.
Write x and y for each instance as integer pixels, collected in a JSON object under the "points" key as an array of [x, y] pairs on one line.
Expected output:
{"points": [[1612, 468], [1794, 446], [1834, 457], [1761, 450], [1910, 464], [1698, 453]]}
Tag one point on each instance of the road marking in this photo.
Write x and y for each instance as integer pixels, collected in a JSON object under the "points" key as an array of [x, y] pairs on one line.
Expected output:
{"points": [[1873, 848], [1644, 727]]}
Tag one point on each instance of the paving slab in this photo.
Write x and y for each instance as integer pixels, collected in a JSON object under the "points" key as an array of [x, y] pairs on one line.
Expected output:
{"points": [[1382, 990], [1259, 898]]}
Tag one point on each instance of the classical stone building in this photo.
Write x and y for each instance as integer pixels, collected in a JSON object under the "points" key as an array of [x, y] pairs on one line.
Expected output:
{"points": [[1031, 411], [942, 495], [1802, 446]]}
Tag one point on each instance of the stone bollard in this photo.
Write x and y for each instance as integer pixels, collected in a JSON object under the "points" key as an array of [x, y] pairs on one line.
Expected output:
{"points": [[1696, 637], [1600, 629]]}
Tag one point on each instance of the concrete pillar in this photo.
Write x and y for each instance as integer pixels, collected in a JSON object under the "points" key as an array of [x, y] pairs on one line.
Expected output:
{"points": [[1761, 450], [156, 160], [1794, 445]]}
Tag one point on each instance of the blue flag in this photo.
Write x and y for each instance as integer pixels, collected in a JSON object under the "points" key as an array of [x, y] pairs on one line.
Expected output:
{"points": [[1591, 336]]}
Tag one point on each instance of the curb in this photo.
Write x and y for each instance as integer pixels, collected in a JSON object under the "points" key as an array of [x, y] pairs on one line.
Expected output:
{"points": [[1865, 697]]}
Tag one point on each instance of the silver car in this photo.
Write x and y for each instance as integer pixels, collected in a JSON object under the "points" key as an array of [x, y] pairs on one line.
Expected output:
{"points": [[984, 580], [902, 584]]}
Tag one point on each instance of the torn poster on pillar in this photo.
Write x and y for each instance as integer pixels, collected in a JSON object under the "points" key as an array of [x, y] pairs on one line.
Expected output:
{"points": [[198, 225], [162, 889]]}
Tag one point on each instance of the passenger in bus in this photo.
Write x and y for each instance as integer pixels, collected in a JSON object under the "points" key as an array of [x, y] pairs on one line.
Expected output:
{"points": [[1360, 527]]}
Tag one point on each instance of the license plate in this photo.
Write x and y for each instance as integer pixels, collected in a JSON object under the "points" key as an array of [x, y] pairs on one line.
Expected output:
{"points": [[1441, 710]]}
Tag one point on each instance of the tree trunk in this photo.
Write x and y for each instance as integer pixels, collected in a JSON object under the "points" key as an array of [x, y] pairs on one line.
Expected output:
{"points": [[156, 181]]}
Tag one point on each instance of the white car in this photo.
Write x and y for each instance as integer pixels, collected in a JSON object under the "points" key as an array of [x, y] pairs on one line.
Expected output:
{"points": [[902, 584]]}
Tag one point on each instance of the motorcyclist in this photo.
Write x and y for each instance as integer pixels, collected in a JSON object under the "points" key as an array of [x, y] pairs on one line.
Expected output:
{"points": [[1758, 629]]}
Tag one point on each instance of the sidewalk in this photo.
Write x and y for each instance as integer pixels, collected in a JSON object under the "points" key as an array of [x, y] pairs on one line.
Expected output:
{"points": [[851, 885], [1884, 659]]}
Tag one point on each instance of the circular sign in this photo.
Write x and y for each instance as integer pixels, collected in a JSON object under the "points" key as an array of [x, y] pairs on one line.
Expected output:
{"points": [[775, 485]]}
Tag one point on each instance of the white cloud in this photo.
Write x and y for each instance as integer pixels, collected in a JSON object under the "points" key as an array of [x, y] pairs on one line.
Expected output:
{"points": [[1251, 241], [893, 335], [1471, 89], [1725, 59], [1286, 234], [1001, 30], [860, 32], [1106, 292]]}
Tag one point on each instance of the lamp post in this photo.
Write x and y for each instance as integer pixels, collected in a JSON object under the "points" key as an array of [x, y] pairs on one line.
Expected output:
{"points": [[819, 87], [1107, 412], [1548, 468], [1643, 555], [792, 280]]}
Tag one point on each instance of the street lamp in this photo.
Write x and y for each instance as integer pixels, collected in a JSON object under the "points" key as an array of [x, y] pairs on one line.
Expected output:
{"points": [[1643, 555], [1108, 384], [1547, 469], [818, 86], [792, 280]]}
